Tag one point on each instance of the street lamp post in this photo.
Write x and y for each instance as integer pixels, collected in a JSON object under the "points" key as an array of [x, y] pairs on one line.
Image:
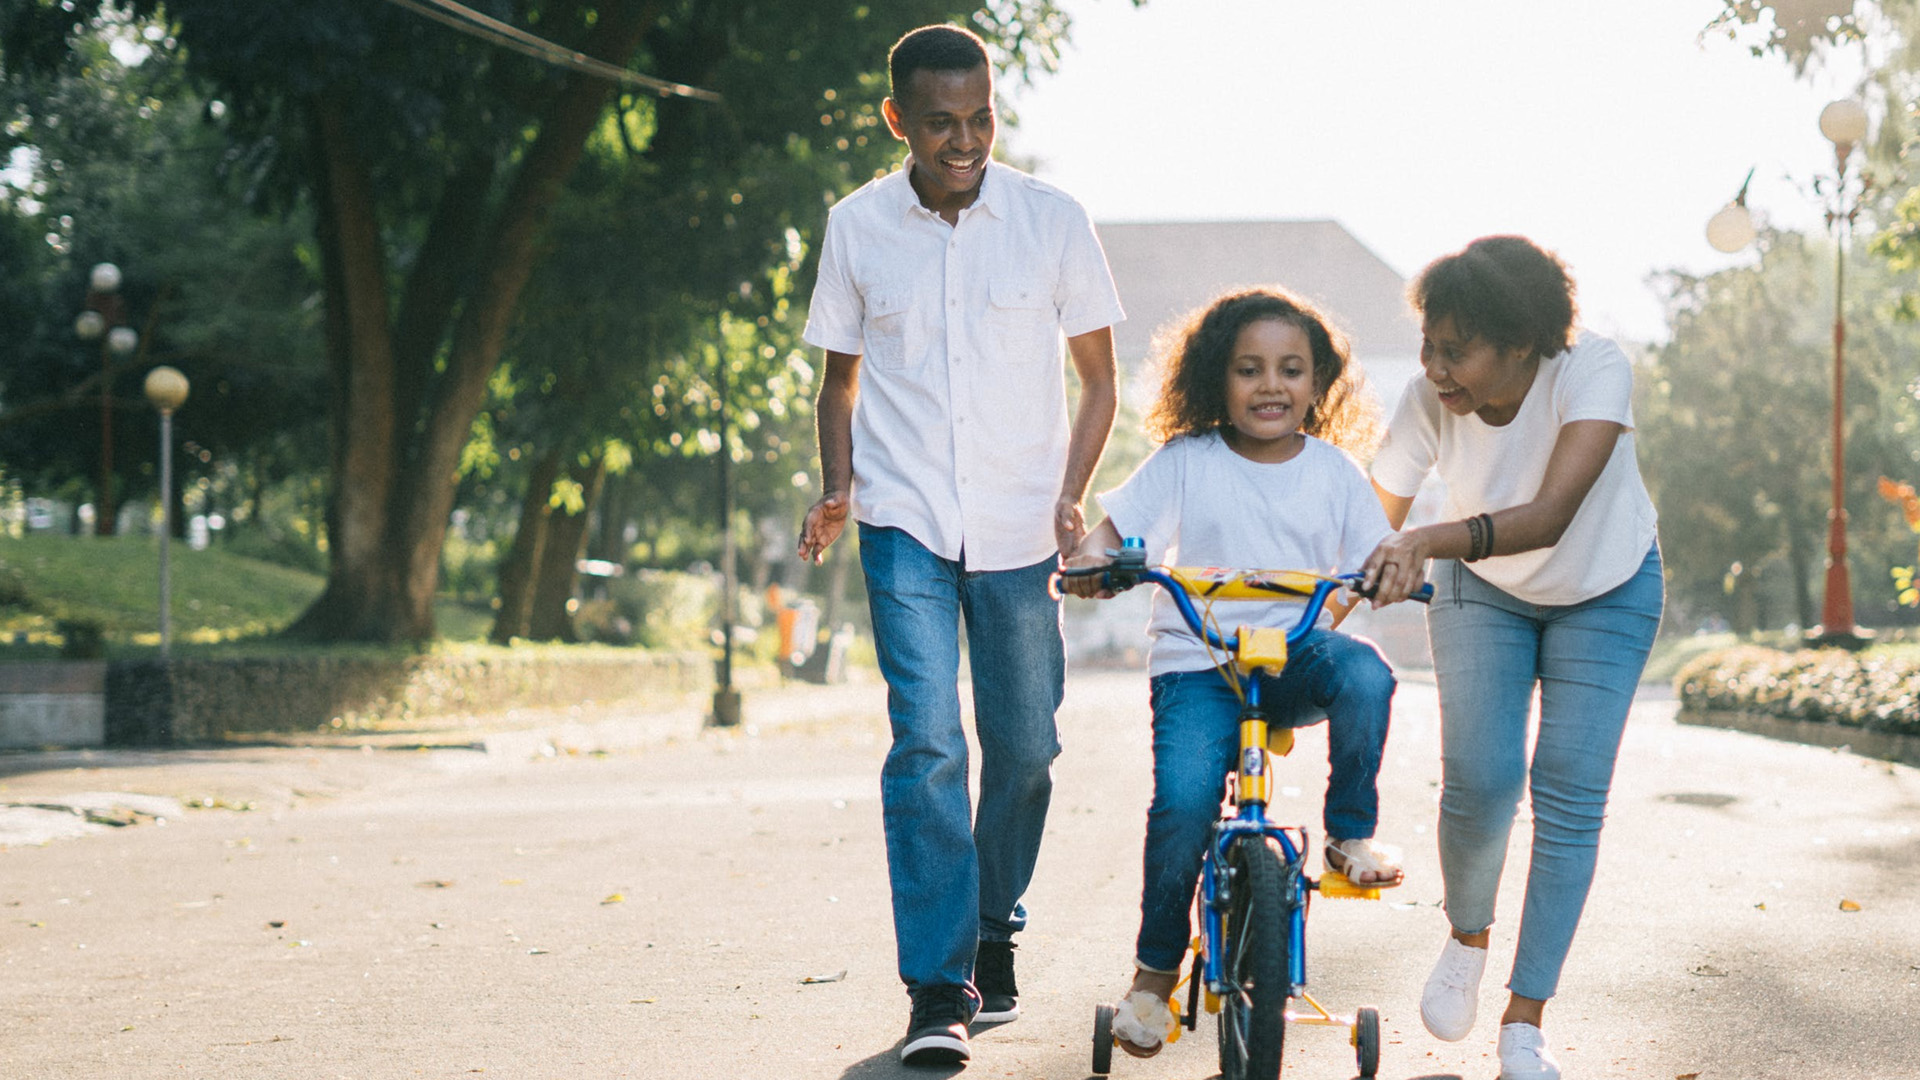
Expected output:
{"points": [[167, 389], [1844, 123], [101, 319]]}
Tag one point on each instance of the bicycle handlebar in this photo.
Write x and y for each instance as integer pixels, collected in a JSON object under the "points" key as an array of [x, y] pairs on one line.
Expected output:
{"points": [[1129, 568]]}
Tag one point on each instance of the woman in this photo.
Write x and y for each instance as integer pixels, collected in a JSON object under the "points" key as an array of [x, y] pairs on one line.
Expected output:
{"points": [[1547, 574]]}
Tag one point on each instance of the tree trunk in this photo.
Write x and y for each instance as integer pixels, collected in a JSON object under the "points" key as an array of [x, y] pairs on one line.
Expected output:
{"points": [[517, 570], [394, 476], [549, 619]]}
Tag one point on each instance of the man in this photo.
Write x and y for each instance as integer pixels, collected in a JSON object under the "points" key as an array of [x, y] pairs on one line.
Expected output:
{"points": [[943, 292]]}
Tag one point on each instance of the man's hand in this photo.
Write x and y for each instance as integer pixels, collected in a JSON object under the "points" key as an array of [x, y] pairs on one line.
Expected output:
{"points": [[824, 522], [1069, 526]]}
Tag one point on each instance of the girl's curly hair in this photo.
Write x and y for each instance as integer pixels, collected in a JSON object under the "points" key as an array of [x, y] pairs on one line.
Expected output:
{"points": [[1195, 354]]}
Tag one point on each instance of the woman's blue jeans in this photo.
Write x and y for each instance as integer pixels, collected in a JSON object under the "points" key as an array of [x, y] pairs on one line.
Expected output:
{"points": [[1196, 737], [1490, 650], [958, 876]]}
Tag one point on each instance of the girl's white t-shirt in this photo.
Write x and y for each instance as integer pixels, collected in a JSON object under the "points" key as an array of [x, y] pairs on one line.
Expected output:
{"points": [[1487, 468], [1195, 502]]}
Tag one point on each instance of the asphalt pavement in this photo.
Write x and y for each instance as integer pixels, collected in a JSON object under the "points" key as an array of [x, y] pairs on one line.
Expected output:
{"points": [[627, 895]]}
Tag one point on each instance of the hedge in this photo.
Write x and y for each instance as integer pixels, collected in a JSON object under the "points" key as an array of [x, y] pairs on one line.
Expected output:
{"points": [[1874, 691], [207, 699]]}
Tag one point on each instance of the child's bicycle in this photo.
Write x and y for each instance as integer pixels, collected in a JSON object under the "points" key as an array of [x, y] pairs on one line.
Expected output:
{"points": [[1250, 957]]}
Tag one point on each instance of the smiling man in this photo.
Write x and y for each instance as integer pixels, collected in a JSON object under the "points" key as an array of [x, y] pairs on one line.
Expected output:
{"points": [[945, 289]]}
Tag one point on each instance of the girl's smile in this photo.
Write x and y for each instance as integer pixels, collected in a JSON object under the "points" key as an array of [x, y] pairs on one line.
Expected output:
{"points": [[1269, 390], [1473, 375]]}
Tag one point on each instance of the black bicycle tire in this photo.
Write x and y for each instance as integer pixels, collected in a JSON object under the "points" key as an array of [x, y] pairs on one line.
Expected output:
{"points": [[1254, 963]]}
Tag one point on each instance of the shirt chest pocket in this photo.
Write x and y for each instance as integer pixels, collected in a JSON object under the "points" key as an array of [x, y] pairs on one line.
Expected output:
{"points": [[891, 337], [1022, 325]]}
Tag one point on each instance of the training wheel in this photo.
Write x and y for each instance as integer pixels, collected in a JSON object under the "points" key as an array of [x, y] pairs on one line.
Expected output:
{"points": [[1102, 1039], [1366, 1040]]}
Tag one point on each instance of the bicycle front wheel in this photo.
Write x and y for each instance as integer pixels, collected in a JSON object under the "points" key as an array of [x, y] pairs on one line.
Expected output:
{"points": [[1254, 960]]}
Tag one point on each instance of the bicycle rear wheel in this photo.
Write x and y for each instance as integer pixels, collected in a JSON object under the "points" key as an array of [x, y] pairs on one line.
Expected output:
{"points": [[1254, 960]]}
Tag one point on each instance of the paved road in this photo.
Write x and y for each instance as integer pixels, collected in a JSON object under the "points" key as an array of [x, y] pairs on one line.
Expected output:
{"points": [[653, 912]]}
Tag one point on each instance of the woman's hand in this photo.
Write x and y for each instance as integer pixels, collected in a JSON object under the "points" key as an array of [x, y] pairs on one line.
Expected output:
{"points": [[1397, 567]]}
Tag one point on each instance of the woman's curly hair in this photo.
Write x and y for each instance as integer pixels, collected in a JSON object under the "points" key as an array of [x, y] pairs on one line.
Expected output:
{"points": [[1195, 355], [1506, 289]]}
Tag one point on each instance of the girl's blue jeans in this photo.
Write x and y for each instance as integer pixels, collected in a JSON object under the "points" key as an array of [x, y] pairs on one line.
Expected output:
{"points": [[1490, 651], [1196, 737], [958, 875]]}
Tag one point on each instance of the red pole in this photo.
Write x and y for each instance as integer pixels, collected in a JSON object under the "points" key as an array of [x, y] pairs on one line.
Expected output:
{"points": [[1836, 620]]}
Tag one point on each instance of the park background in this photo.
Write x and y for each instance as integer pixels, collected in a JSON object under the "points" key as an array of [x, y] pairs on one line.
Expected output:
{"points": [[483, 346]]}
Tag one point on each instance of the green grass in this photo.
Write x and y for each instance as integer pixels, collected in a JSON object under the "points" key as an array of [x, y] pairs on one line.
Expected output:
{"points": [[114, 583]]}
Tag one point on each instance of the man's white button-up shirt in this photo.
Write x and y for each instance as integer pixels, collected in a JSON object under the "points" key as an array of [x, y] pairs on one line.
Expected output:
{"points": [[960, 428]]}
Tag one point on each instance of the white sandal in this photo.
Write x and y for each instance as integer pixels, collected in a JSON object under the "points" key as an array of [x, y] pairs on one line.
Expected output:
{"points": [[1141, 1023], [1355, 857]]}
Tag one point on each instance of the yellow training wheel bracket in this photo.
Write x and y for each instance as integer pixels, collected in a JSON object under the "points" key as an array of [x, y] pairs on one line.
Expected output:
{"points": [[1261, 647]]}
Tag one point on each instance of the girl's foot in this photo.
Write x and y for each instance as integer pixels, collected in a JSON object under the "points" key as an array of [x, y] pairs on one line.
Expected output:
{"points": [[1365, 862], [1142, 1020]]}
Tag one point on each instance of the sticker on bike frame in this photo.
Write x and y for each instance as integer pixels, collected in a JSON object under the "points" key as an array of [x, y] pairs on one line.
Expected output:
{"points": [[1253, 762]]}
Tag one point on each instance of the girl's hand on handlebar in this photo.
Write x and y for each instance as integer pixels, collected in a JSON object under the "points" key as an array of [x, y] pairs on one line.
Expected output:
{"points": [[1090, 586], [1396, 568]]}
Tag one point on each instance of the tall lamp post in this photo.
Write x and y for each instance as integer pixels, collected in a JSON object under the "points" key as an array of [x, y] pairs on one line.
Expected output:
{"points": [[1844, 123], [167, 389], [101, 320]]}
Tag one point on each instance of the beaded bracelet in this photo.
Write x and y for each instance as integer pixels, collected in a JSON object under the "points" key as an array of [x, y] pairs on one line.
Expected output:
{"points": [[1479, 537]]}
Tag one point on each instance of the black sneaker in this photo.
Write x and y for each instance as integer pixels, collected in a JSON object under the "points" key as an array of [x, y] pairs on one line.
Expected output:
{"points": [[937, 1034], [993, 977]]}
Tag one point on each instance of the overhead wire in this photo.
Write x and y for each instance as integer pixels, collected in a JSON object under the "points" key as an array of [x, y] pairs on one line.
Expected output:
{"points": [[486, 28]]}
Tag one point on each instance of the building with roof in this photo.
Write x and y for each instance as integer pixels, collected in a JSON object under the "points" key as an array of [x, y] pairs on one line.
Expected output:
{"points": [[1164, 270]]}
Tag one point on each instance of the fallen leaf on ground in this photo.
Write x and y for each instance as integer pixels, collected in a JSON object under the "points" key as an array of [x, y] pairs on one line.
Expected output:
{"points": [[616, 898], [1687, 1076], [536, 952], [1848, 905], [642, 1001], [1761, 906], [512, 881], [435, 885], [835, 977], [1707, 971]]}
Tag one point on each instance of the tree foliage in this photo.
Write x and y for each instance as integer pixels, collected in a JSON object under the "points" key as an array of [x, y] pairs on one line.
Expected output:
{"points": [[434, 166], [1734, 416]]}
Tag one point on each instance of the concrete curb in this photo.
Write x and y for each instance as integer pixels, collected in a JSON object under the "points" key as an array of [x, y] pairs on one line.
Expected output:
{"points": [[1882, 745]]}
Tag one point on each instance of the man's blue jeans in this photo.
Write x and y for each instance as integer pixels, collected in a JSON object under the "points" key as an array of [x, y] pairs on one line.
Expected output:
{"points": [[1196, 738], [1490, 649], [958, 876]]}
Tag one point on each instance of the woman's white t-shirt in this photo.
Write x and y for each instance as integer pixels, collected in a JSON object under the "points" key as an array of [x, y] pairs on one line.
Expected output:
{"points": [[1195, 502], [1487, 468]]}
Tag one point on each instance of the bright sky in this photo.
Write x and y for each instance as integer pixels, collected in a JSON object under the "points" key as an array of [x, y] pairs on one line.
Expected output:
{"points": [[1609, 130]]}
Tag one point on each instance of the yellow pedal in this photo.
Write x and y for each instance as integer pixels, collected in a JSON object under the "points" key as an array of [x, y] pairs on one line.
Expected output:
{"points": [[1335, 886], [1173, 1033]]}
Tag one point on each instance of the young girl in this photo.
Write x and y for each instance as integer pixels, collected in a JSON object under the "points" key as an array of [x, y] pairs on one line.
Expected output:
{"points": [[1256, 408]]}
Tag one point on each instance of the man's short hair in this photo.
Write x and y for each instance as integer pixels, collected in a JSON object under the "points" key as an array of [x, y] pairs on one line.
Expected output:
{"points": [[941, 47]]}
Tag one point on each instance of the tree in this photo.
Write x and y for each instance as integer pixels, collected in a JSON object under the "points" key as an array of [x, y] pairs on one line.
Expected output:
{"points": [[122, 163], [1733, 416], [433, 161]]}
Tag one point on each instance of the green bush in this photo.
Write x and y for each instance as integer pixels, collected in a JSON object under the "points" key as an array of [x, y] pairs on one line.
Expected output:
{"points": [[1878, 689], [668, 609]]}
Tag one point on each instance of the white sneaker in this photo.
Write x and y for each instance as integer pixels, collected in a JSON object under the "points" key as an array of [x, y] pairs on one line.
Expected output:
{"points": [[1524, 1055], [1452, 997]]}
